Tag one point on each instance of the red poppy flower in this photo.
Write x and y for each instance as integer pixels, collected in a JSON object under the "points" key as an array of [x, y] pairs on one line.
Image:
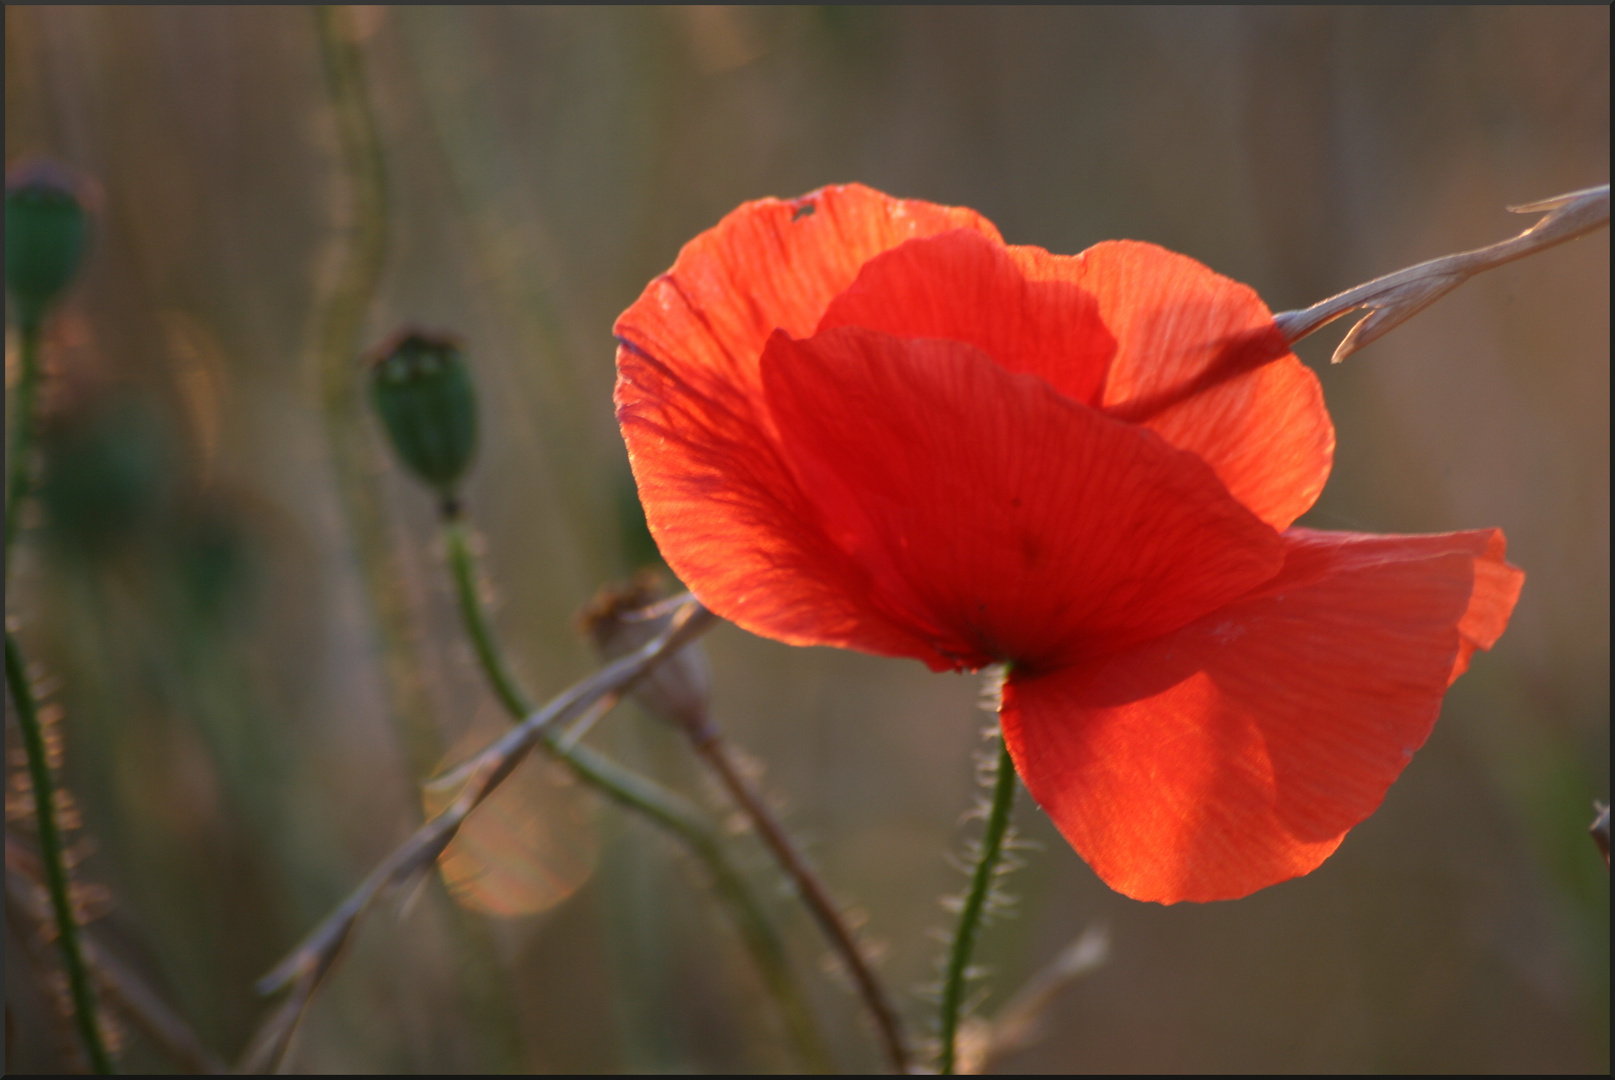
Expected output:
{"points": [[867, 422]]}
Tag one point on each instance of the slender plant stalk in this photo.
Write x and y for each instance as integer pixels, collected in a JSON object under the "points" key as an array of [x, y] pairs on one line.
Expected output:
{"points": [[641, 794], [975, 905], [341, 318], [1392, 299], [341, 322], [463, 565], [302, 971], [709, 743], [125, 989], [51, 855], [21, 430], [713, 750], [1018, 1023]]}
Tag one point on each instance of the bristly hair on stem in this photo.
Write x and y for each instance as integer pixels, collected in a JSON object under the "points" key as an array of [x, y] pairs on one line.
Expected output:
{"points": [[982, 898], [125, 988], [53, 858], [713, 750]]}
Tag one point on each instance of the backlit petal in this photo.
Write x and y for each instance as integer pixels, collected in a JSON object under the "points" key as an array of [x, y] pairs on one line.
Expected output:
{"points": [[964, 286], [730, 520], [771, 264], [724, 512], [1237, 752], [994, 516], [1199, 362]]}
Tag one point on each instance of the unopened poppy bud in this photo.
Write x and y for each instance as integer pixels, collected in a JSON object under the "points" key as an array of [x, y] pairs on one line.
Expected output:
{"points": [[46, 229], [422, 391], [619, 620]]}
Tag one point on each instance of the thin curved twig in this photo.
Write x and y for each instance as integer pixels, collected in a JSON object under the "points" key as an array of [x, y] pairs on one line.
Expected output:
{"points": [[618, 621], [1022, 1020], [642, 794], [712, 748], [1394, 298], [303, 970]]}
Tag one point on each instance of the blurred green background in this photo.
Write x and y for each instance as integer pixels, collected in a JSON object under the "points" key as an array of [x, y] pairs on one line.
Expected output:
{"points": [[242, 755]]}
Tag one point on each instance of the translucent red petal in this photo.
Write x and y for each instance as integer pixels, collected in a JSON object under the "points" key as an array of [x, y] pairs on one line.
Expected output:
{"points": [[1237, 751], [964, 286], [771, 264], [993, 516], [1199, 361], [688, 396], [1154, 337], [730, 519]]}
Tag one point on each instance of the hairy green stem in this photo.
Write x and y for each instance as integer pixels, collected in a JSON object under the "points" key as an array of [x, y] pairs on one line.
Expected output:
{"points": [[52, 856], [975, 905], [463, 565], [21, 430], [643, 795]]}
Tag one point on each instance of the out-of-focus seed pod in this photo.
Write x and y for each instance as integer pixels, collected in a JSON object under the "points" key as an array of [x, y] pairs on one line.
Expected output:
{"points": [[422, 391], [47, 227], [108, 471], [621, 619]]}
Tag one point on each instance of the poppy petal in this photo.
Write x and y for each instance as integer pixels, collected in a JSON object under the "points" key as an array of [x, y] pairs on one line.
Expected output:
{"points": [[730, 520], [964, 286], [718, 500], [1199, 362], [994, 516], [1237, 752], [772, 264]]}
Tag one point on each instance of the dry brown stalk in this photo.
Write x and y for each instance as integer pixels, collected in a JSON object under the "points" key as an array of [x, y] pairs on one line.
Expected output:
{"points": [[1393, 299], [302, 971], [1020, 1022], [618, 620], [826, 912]]}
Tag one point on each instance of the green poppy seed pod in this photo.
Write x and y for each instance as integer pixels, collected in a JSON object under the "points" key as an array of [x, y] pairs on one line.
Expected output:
{"points": [[422, 391], [47, 226]]}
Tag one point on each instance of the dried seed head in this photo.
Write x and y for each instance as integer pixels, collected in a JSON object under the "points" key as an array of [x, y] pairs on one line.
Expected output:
{"points": [[623, 618]]}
